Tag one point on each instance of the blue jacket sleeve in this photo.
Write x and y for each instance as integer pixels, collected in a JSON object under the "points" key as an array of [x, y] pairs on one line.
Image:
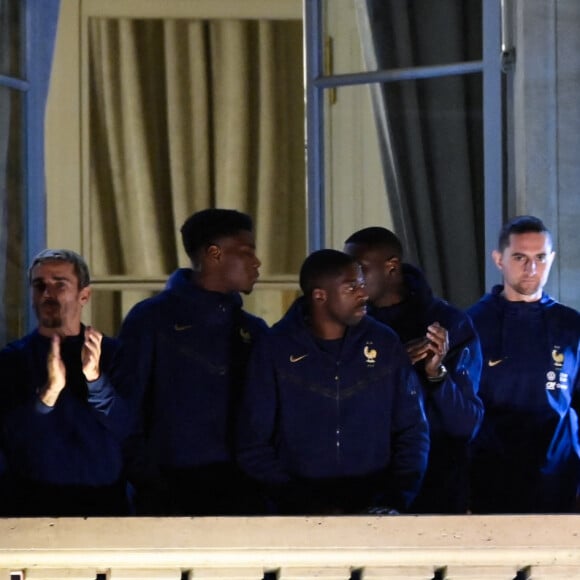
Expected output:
{"points": [[111, 409], [256, 452], [102, 395], [103, 400], [453, 405]]}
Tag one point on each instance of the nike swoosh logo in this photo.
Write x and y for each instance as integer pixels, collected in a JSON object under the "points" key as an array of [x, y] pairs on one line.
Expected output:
{"points": [[296, 358], [180, 327], [493, 363]]}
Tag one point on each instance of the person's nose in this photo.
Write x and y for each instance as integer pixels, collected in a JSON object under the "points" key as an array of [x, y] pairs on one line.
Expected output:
{"points": [[257, 262], [531, 267], [363, 294], [50, 291]]}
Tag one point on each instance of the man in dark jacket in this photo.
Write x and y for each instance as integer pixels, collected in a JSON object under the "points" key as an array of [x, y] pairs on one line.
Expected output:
{"points": [[445, 350], [332, 420], [184, 354], [525, 457], [61, 420]]}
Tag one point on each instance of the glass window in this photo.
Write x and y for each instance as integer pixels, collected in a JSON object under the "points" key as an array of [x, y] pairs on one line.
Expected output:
{"points": [[356, 193], [11, 40], [12, 288], [404, 33], [419, 94], [411, 153]]}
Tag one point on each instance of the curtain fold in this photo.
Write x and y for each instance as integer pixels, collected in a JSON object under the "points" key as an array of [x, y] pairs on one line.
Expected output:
{"points": [[431, 131], [189, 118], [193, 114], [128, 168]]}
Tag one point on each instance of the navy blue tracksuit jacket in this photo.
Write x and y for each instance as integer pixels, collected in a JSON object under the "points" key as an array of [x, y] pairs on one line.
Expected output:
{"points": [[525, 457], [182, 364], [333, 432], [64, 460]]}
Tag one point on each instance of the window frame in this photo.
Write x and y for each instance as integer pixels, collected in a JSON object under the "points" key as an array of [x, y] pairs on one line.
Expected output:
{"points": [[68, 132], [37, 33], [317, 82]]}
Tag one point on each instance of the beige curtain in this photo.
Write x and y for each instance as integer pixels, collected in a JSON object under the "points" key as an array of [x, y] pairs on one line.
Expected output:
{"points": [[193, 114]]}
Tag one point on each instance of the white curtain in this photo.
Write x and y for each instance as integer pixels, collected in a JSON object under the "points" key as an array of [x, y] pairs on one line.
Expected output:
{"points": [[188, 115]]}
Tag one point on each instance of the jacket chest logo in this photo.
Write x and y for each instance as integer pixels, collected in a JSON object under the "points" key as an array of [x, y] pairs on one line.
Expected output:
{"points": [[557, 358], [557, 379], [370, 354]]}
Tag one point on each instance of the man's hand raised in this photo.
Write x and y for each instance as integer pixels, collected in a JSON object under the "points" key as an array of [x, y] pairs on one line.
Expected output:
{"points": [[91, 354], [56, 374], [439, 340], [431, 348]]}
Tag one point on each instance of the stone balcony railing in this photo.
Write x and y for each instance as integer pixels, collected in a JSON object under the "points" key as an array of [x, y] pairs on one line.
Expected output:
{"points": [[329, 548]]}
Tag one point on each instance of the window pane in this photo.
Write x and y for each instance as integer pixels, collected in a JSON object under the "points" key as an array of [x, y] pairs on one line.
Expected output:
{"points": [[11, 37], [355, 185], [429, 168], [343, 51], [12, 288], [390, 34]]}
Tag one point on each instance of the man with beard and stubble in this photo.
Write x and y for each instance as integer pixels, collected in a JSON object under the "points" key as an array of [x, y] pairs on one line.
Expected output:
{"points": [[183, 355], [444, 348], [525, 457], [61, 420], [332, 420]]}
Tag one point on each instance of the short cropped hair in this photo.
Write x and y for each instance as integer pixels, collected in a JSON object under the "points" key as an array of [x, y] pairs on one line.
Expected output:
{"points": [[321, 266], [521, 224], [80, 267], [377, 237], [203, 228]]}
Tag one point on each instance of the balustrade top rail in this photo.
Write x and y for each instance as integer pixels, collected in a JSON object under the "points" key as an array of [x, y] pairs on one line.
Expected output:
{"points": [[329, 547]]}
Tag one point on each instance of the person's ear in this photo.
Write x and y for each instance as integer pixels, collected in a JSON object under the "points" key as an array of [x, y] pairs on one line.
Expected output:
{"points": [[84, 295], [213, 252], [318, 295], [497, 257], [392, 265]]}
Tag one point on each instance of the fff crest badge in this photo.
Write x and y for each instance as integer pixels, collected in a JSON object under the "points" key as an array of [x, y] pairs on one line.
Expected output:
{"points": [[370, 354], [557, 358], [557, 380]]}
